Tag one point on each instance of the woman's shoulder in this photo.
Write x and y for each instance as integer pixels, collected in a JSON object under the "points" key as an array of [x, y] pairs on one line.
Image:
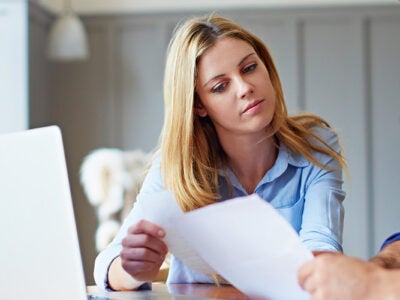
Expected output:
{"points": [[323, 132], [153, 181], [326, 134]]}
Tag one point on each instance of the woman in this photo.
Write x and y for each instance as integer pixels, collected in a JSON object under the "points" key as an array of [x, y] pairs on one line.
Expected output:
{"points": [[226, 134]]}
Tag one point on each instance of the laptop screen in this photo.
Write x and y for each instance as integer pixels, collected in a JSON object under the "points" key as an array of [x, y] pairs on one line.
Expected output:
{"points": [[39, 255]]}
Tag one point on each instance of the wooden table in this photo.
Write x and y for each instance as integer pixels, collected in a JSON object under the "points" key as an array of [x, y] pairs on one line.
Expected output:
{"points": [[202, 290], [175, 291]]}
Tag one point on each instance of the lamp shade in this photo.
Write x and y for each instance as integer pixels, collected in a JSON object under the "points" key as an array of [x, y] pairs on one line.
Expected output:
{"points": [[67, 39]]}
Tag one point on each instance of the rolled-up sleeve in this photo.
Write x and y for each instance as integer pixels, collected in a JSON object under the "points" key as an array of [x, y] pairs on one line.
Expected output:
{"points": [[106, 256], [322, 224], [151, 184], [102, 264]]}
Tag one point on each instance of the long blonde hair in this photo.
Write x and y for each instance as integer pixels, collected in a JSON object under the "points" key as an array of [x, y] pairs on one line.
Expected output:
{"points": [[190, 149]]}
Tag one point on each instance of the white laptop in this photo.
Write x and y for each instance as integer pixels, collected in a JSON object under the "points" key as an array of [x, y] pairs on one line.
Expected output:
{"points": [[39, 249], [39, 252]]}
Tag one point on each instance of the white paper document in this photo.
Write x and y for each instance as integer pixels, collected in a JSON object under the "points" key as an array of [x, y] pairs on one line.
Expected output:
{"points": [[245, 240], [162, 209]]}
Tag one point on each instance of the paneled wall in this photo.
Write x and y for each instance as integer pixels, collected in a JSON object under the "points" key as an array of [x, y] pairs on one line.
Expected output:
{"points": [[333, 51], [385, 124], [341, 63]]}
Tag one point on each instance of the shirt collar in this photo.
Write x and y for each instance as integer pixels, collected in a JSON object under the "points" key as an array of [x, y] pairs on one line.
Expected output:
{"points": [[285, 157]]}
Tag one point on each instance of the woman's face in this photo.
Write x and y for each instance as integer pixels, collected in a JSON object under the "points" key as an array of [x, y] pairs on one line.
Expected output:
{"points": [[234, 88]]}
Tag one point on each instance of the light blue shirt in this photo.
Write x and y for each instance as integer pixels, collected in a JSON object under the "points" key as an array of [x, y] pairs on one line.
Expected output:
{"points": [[308, 197]]}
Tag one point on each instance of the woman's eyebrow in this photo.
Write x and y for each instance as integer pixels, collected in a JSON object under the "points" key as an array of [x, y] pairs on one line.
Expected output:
{"points": [[246, 57], [221, 75], [215, 77]]}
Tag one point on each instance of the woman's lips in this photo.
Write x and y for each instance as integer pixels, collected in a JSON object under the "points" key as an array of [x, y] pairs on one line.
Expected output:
{"points": [[252, 105]]}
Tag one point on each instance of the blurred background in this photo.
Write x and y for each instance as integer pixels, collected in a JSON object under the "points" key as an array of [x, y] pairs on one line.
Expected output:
{"points": [[339, 59]]}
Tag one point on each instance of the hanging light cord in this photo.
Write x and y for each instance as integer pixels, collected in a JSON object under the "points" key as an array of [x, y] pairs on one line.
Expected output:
{"points": [[68, 6]]}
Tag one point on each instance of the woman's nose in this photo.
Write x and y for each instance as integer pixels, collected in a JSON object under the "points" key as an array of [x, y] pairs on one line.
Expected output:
{"points": [[245, 88]]}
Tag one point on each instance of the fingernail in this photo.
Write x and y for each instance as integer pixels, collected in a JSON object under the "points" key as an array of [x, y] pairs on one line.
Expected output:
{"points": [[160, 233]]}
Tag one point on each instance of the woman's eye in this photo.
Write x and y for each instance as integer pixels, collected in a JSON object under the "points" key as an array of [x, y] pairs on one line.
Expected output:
{"points": [[219, 88], [249, 68]]}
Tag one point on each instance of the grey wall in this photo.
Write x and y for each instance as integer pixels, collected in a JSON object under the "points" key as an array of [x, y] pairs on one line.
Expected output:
{"points": [[342, 63]]}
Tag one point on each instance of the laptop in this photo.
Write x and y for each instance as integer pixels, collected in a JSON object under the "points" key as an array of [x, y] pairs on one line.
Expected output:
{"points": [[39, 252]]}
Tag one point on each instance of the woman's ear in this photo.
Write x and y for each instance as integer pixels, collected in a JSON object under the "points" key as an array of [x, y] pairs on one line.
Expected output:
{"points": [[201, 110], [199, 107]]}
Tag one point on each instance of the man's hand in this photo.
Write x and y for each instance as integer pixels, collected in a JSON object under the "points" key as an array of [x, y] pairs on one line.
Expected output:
{"points": [[336, 276], [389, 257]]}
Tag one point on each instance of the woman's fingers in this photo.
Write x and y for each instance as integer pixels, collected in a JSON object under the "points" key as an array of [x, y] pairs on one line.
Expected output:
{"points": [[145, 234], [147, 227], [145, 241], [143, 250], [149, 254]]}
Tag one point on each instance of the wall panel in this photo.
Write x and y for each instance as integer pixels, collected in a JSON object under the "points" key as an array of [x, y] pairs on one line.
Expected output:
{"points": [[79, 103], [140, 69], [38, 69], [333, 76], [385, 89]]}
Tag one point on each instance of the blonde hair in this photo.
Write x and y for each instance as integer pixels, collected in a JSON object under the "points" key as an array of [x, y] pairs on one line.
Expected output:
{"points": [[190, 149]]}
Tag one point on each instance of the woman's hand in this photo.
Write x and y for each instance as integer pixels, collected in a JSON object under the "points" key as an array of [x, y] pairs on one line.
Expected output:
{"points": [[143, 251]]}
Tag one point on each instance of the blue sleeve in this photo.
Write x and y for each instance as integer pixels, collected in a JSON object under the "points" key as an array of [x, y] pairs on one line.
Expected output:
{"points": [[393, 238], [322, 222], [152, 183]]}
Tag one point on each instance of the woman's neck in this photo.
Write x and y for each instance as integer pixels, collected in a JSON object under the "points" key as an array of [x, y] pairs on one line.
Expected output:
{"points": [[249, 159]]}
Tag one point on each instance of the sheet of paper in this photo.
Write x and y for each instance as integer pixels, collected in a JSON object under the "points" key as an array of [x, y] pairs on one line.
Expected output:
{"points": [[250, 245], [161, 209]]}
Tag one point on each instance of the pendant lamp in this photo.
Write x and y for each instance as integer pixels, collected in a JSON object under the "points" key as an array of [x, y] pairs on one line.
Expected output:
{"points": [[67, 37]]}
